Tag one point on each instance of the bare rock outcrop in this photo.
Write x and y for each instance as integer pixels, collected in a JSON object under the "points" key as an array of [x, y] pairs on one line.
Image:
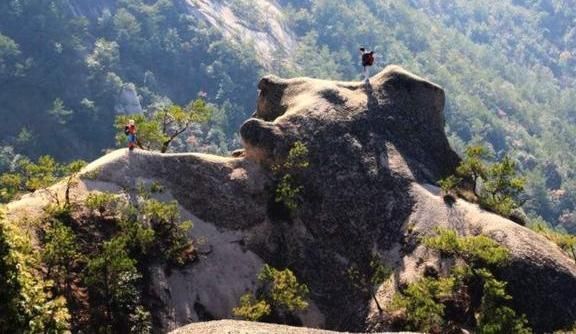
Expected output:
{"points": [[245, 327], [375, 153]]}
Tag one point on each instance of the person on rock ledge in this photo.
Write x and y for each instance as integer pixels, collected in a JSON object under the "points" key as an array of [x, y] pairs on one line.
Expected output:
{"points": [[130, 132], [367, 61]]}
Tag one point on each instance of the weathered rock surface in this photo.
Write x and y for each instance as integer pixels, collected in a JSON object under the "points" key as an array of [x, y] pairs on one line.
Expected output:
{"points": [[375, 152], [245, 327]]}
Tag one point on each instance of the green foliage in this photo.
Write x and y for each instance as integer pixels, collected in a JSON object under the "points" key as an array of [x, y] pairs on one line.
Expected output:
{"points": [[494, 316], [101, 202], [26, 302], [499, 185], [565, 241], [32, 176], [449, 184], [147, 231], [297, 157], [473, 249], [10, 184], [112, 277], [280, 294], [473, 165], [251, 309], [72, 169], [140, 239], [12, 319], [40, 174], [171, 234], [288, 191], [283, 289], [423, 302], [60, 251], [59, 111], [160, 128], [502, 187], [141, 321]]}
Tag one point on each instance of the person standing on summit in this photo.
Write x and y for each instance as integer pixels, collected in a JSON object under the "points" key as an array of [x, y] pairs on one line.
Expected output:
{"points": [[367, 61], [130, 132]]}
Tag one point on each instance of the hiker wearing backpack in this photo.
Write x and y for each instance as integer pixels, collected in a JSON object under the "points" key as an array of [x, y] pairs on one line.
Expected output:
{"points": [[367, 61], [130, 132]]}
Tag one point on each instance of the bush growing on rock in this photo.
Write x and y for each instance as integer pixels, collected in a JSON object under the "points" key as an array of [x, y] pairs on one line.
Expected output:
{"points": [[279, 295], [288, 191], [112, 278], [170, 232], [252, 309], [31, 176], [27, 303], [496, 186], [61, 251], [565, 241], [475, 297], [102, 203]]}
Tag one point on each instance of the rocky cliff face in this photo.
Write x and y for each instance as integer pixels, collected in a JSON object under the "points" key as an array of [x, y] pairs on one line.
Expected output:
{"points": [[375, 153], [258, 24]]}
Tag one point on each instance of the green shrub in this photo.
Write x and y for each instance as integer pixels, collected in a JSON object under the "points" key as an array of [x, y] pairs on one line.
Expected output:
{"points": [[288, 191], [112, 278], [102, 203], [10, 186], [565, 241], [171, 234], [32, 176], [497, 186], [449, 184], [27, 303], [60, 252], [473, 165], [279, 293], [494, 315], [423, 302], [471, 248], [251, 309], [283, 289]]}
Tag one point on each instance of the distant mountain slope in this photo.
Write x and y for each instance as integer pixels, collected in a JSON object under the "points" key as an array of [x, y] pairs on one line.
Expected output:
{"points": [[258, 23]]}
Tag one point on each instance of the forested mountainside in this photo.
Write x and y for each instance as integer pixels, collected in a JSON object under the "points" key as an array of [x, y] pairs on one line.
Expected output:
{"points": [[508, 68]]}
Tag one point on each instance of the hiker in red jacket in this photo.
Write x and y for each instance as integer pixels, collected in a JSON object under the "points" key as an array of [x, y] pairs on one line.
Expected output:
{"points": [[367, 61], [130, 132]]}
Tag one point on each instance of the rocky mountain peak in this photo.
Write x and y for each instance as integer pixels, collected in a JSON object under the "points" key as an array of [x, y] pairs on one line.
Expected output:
{"points": [[375, 153], [396, 110]]}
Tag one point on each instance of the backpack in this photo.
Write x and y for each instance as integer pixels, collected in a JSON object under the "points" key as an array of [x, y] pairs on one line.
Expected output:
{"points": [[369, 61], [126, 130]]}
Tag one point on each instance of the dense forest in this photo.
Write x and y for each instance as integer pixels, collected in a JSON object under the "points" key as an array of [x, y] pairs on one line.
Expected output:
{"points": [[67, 67]]}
